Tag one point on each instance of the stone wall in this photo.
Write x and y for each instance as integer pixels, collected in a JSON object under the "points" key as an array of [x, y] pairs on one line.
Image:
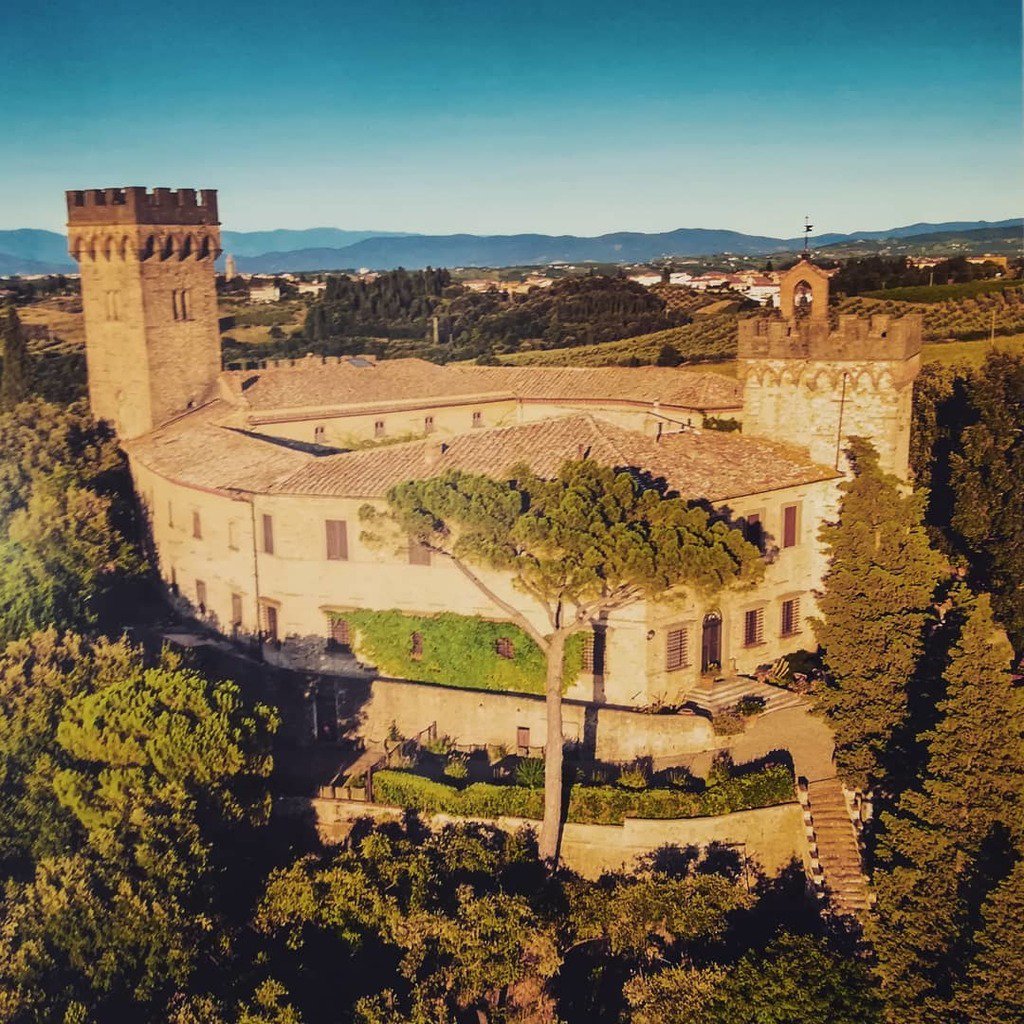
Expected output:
{"points": [[769, 838], [482, 717]]}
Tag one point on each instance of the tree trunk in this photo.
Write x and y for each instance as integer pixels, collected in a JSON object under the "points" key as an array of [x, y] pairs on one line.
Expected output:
{"points": [[551, 828]]}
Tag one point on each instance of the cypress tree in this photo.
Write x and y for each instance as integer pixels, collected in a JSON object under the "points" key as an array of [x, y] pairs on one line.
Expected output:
{"points": [[876, 603], [935, 851], [988, 499], [994, 990], [15, 383]]}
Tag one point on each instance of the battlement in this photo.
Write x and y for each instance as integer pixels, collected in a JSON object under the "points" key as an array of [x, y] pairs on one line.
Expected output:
{"points": [[879, 337], [139, 205]]}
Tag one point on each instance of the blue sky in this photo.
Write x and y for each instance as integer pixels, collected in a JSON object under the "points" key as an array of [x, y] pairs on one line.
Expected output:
{"points": [[495, 117]]}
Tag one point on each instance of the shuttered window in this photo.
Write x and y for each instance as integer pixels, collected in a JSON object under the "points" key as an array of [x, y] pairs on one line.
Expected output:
{"points": [[791, 616], [790, 525], [753, 627], [337, 540], [270, 622], [676, 653], [339, 639], [201, 595], [236, 610], [268, 534], [588, 652], [197, 526], [753, 529]]}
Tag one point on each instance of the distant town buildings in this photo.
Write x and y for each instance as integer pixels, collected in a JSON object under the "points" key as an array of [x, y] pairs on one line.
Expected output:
{"points": [[264, 291], [230, 271]]}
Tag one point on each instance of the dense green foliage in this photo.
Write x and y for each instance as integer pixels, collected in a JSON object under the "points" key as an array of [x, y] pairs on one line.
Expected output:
{"points": [[403, 305], [66, 525], [123, 782], [600, 805], [459, 650], [871, 273], [877, 600], [968, 449], [952, 837]]}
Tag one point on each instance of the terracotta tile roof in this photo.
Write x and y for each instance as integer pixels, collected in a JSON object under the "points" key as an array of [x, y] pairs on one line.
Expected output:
{"points": [[203, 449], [711, 464], [311, 384]]}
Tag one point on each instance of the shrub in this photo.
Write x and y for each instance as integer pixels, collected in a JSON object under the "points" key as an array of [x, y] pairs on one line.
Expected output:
{"points": [[456, 767], [749, 705], [599, 805], [722, 769], [728, 723], [635, 775], [440, 745], [530, 772]]}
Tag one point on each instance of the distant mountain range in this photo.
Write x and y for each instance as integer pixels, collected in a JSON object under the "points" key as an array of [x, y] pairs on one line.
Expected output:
{"points": [[30, 251]]}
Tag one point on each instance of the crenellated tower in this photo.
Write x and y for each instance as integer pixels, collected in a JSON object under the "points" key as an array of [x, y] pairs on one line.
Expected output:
{"points": [[149, 298], [812, 385]]}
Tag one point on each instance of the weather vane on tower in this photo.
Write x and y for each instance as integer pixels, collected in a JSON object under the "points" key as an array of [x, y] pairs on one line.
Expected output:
{"points": [[808, 228]]}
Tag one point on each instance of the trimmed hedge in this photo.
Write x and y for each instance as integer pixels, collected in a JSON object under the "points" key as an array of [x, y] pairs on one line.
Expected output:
{"points": [[596, 805], [458, 650]]}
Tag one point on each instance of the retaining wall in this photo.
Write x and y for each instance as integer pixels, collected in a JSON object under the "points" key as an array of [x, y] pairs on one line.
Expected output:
{"points": [[768, 837]]}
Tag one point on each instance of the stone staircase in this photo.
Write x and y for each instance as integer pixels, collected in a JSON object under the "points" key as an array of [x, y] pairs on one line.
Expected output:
{"points": [[724, 693], [836, 868]]}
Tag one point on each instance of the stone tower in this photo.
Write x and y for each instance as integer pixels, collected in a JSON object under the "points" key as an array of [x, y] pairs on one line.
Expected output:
{"points": [[815, 386], [149, 297]]}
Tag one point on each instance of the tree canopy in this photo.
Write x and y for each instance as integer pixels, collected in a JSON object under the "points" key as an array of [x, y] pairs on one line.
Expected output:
{"points": [[578, 546], [877, 598]]}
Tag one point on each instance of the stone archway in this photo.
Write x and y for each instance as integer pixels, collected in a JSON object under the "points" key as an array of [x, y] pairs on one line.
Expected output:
{"points": [[804, 281]]}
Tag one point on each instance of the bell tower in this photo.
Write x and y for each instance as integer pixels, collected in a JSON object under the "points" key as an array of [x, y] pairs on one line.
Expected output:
{"points": [[149, 298], [815, 386]]}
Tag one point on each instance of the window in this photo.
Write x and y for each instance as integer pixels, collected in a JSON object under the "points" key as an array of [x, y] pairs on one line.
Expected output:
{"points": [[790, 525], [378, 428], [753, 627], [197, 526], [504, 648], [181, 304], [270, 622], [236, 611], [752, 528], [416, 646], [318, 434], [588, 652], [338, 636], [478, 419], [201, 596], [337, 540], [233, 534], [523, 738], [419, 554], [170, 514], [268, 534], [791, 616], [676, 649], [113, 310]]}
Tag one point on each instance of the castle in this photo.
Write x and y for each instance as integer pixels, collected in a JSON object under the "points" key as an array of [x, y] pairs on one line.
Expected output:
{"points": [[253, 480]]}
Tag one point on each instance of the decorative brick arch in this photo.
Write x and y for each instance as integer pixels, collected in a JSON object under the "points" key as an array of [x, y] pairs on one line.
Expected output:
{"points": [[814, 278]]}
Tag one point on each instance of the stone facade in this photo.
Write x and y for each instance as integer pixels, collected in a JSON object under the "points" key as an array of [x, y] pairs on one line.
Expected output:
{"points": [[240, 473], [149, 300], [805, 382]]}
